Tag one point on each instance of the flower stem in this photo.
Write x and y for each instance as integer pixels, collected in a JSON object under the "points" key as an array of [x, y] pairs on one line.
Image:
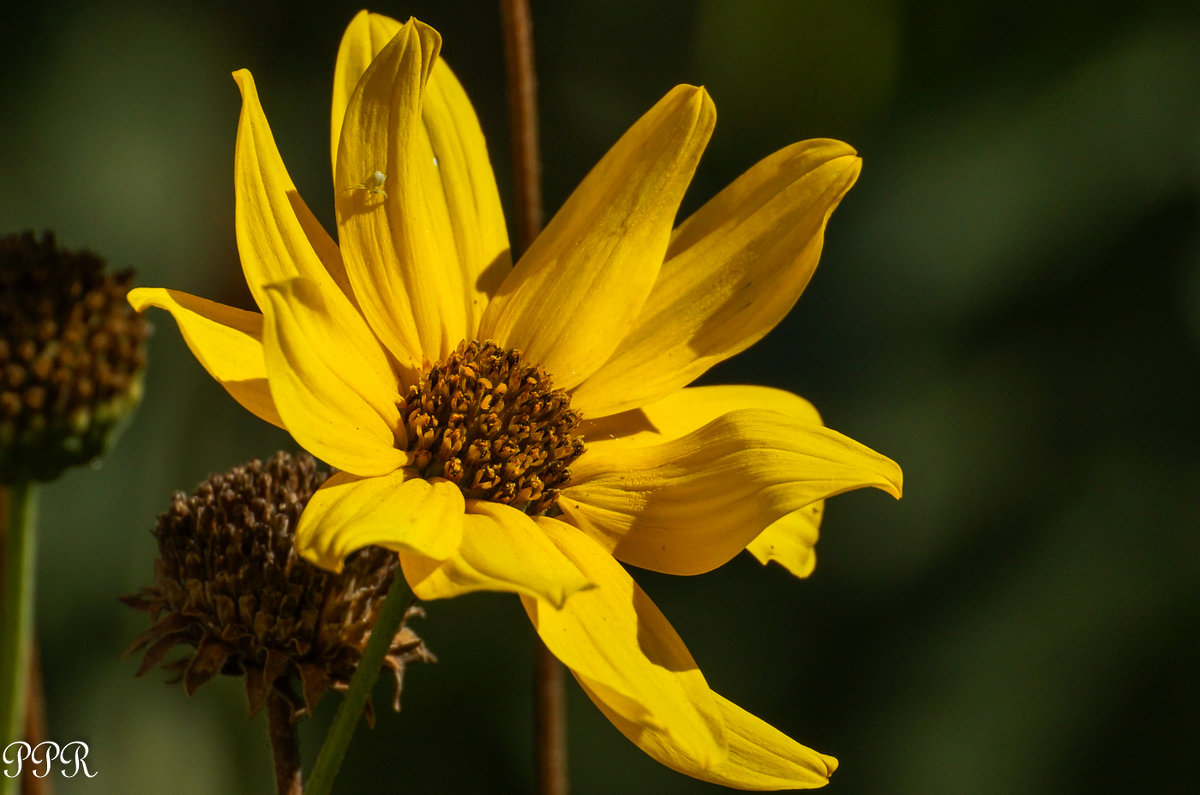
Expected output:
{"points": [[549, 697], [522, 116], [16, 613], [285, 747], [35, 722], [333, 750], [550, 721]]}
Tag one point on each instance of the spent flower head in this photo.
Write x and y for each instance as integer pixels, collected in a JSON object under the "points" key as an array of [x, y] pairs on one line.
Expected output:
{"points": [[527, 427], [230, 589], [72, 353]]}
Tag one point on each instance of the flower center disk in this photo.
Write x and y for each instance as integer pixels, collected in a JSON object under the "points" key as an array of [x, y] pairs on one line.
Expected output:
{"points": [[494, 426]]}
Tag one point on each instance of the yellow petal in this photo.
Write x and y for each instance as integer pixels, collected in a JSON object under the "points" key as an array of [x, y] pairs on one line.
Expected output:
{"points": [[226, 341], [682, 412], [373, 196], [760, 756], [400, 511], [791, 540], [460, 189], [734, 270], [575, 292], [691, 504], [396, 206], [625, 653], [330, 379], [365, 37], [278, 237], [502, 550]]}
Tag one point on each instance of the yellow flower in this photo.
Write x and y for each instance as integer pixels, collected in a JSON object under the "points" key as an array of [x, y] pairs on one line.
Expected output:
{"points": [[524, 428]]}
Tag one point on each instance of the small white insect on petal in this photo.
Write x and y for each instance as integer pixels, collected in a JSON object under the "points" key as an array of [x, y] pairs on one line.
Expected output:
{"points": [[372, 184]]}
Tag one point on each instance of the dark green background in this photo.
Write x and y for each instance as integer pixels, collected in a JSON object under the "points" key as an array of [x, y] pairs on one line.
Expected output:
{"points": [[1008, 305]]}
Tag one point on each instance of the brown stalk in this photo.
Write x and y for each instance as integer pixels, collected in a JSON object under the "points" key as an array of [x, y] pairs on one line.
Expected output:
{"points": [[285, 746], [549, 691]]}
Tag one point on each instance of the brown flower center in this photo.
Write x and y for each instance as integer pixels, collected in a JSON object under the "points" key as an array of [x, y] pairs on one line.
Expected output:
{"points": [[494, 426]]}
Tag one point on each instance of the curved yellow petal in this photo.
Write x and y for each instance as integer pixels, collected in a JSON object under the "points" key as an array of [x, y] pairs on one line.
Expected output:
{"points": [[791, 540], [501, 550], [691, 504], [365, 37], [624, 651], [331, 381], [734, 270], [760, 756], [686, 410], [278, 237], [575, 292], [226, 341], [405, 218], [460, 188], [373, 196], [401, 511]]}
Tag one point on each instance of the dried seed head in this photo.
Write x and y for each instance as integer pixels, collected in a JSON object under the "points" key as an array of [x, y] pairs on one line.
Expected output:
{"points": [[494, 426], [230, 587], [72, 352]]}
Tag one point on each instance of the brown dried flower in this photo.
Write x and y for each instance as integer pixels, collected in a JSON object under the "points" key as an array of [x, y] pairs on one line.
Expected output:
{"points": [[230, 586]]}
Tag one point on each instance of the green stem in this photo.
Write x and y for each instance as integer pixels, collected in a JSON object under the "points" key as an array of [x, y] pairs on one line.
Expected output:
{"points": [[16, 613], [391, 616]]}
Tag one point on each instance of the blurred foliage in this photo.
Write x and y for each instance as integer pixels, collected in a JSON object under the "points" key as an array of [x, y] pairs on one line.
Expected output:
{"points": [[1008, 305]]}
